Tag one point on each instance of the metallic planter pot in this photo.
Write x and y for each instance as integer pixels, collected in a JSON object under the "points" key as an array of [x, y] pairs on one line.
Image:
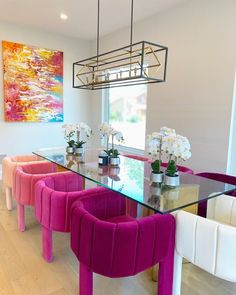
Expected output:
{"points": [[114, 161], [172, 181], [69, 150], [78, 151], [157, 177]]}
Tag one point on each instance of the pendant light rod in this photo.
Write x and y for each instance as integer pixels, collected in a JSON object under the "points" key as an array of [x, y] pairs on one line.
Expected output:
{"points": [[98, 27], [131, 25]]}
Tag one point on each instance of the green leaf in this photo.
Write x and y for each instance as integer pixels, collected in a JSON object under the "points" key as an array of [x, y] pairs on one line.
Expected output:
{"points": [[156, 166], [171, 168]]}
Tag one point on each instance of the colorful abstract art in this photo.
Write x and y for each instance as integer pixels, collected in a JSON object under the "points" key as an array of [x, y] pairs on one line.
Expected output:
{"points": [[33, 83]]}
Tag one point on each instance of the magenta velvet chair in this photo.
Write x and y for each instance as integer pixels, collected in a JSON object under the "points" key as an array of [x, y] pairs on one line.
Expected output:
{"points": [[202, 207], [24, 181], [54, 196], [111, 244]]}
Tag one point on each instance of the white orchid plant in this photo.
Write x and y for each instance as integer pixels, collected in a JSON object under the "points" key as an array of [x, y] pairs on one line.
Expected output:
{"points": [[107, 131], [71, 129], [79, 128], [69, 132], [175, 147]]}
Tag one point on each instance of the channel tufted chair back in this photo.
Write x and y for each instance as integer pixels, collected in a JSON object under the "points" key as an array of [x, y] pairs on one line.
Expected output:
{"points": [[202, 207], [9, 164], [54, 196], [111, 244], [25, 178], [210, 242]]}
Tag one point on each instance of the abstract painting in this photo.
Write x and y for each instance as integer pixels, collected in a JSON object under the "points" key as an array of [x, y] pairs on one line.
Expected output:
{"points": [[33, 83]]}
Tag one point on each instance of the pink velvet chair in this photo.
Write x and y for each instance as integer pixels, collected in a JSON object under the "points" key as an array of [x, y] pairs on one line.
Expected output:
{"points": [[25, 178], [202, 207], [54, 196], [111, 244], [9, 164]]}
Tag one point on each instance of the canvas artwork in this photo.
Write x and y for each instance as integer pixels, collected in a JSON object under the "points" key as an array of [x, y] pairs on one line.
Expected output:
{"points": [[33, 83]]}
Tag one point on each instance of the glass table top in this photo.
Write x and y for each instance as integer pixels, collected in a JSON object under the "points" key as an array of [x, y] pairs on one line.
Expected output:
{"points": [[132, 179]]}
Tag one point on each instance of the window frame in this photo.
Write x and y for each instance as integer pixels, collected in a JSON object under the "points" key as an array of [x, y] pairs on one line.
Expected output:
{"points": [[105, 118]]}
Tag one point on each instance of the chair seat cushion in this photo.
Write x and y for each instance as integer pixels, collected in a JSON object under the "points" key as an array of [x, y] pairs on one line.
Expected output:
{"points": [[121, 218]]}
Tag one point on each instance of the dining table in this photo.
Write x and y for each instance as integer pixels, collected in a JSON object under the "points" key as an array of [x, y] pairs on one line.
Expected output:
{"points": [[131, 179]]}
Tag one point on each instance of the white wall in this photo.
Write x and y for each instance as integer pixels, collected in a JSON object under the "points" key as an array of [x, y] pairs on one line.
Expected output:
{"points": [[20, 138], [196, 100]]}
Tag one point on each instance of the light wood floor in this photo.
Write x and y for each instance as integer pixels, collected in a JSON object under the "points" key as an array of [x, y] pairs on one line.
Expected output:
{"points": [[24, 272]]}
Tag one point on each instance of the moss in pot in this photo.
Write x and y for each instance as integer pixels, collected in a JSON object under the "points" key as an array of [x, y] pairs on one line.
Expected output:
{"points": [[114, 157], [171, 175], [70, 147], [157, 174]]}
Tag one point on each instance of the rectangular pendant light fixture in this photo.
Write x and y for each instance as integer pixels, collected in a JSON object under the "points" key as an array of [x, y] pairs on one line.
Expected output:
{"points": [[138, 63]]}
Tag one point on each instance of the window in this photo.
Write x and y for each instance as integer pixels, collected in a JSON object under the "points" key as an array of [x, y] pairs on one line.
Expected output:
{"points": [[127, 113]]}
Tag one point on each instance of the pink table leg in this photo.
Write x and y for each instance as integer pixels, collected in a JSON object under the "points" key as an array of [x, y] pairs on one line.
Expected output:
{"points": [[47, 244], [21, 216]]}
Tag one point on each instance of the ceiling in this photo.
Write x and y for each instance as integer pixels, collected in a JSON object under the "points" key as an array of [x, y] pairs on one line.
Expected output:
{"points": [[82, 14]]}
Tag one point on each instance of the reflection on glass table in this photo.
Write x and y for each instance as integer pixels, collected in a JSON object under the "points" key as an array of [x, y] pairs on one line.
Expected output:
{"points": [[132, 179]]}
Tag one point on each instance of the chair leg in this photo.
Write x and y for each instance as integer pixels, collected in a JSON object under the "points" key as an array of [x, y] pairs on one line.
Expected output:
{"points": [[9, 198], [165, 273], [21, 216], [47, 244], [177, 274], [85, 280]]}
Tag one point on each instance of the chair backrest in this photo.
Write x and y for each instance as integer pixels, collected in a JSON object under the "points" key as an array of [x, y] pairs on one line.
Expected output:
{"points": [[222, 209], [118, 249], [181, 168], [9, 165], [54, 196], [25, 158], [38, 168], [64, 182], [220, 177], [25, 178], [202, 207], [206, 243]]}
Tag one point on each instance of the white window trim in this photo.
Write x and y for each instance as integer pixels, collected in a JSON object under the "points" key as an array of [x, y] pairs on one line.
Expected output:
{"points": [[105, 114], [232, 142]]}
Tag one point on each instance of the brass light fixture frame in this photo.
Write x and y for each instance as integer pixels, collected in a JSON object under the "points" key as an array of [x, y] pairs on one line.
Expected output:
{"points": [[138, 63]]}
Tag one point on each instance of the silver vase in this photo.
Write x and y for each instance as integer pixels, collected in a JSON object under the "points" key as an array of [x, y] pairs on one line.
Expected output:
{"points": [[114, 161], [78, 150], [69, 149], [157, 177], [172, 181]]}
